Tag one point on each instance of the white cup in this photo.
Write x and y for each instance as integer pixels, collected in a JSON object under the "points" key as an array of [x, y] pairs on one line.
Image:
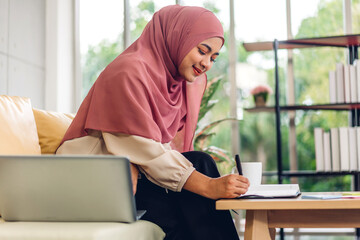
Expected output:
{"points": [[253, 171]]}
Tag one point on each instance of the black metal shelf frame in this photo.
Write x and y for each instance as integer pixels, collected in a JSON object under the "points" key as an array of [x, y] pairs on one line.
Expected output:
{"points": [[354, 108], [354, 113], [347, 41]]}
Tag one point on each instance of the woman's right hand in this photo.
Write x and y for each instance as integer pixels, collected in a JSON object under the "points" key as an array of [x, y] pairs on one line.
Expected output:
{"points": [[228, 186]]}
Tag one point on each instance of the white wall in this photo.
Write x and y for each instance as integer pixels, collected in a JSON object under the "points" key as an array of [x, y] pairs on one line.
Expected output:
{"points": [[37, 52], [22, 52], [4, 10]]}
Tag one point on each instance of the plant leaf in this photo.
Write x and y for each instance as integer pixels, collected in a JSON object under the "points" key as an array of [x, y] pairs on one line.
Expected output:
{"points": [[206, 103], [218, 154], [213, 124]]}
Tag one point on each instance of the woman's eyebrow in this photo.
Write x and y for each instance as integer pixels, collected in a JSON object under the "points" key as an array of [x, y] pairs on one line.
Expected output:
{"points": [[209, 48]]}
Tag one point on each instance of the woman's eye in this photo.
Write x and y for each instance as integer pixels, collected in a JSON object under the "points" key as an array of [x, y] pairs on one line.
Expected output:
{"points": [[213, 59], [201, 51]]}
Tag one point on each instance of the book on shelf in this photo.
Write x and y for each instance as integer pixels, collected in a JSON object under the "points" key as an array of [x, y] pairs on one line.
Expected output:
{"points": [[344, 83], [352, 149], [332, 86], [319, 149], [340, 98], [353, 84], [272, 191], [344, 148], [335, 149], [327, 152], [347, 83], [357, 73]]}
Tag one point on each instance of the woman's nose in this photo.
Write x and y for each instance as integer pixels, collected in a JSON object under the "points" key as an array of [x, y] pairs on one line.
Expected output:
{"points": [[206, 64]]}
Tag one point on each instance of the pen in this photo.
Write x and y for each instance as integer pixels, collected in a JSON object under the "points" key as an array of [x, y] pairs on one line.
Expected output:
{"points": [[238, 164], [235, 211]]}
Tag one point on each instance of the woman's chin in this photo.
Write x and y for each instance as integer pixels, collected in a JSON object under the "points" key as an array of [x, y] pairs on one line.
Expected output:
{"points": [[190, 80]]}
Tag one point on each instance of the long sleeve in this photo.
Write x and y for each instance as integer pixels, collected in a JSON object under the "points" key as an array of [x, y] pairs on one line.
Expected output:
{"points": [[162, 165]]}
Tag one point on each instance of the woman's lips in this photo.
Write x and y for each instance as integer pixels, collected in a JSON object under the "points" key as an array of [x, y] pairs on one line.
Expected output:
{"points": [[197, 71]]}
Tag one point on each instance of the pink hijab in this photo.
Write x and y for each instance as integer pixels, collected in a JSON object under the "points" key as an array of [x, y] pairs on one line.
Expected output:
{"points": [[141, 93]]}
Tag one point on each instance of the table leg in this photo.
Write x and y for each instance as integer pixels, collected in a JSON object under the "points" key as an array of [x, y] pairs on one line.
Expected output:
{"points": [[256, 226]]}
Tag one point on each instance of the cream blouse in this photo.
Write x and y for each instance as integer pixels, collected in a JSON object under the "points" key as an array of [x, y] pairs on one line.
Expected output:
{"points": [[163, 166]]}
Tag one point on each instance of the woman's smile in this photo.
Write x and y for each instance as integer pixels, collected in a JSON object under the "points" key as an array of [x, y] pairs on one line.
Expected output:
{"points": [[197, 71]]}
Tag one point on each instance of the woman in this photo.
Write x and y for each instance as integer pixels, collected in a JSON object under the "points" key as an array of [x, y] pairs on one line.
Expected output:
{"points": [[144, 105]]}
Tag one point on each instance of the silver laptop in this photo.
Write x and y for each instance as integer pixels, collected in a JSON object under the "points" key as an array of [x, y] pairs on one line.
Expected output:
{"points": [[66, 188]]}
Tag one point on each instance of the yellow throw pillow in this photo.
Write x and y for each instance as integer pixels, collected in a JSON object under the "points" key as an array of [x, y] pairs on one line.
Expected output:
{"points": [[17, 126], [51, 127]]}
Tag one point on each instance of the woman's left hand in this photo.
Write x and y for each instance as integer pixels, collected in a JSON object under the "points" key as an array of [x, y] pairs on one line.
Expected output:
{"points": [[134, 176]]}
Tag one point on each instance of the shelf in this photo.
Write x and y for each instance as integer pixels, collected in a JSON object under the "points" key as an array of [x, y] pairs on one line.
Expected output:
{"points": [[311, 173], [351, 42], [336, 106], [333, 41], [260, 109]]}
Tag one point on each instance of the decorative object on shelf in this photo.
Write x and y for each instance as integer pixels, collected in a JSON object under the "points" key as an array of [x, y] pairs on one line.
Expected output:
{"points": [[260, 94]]}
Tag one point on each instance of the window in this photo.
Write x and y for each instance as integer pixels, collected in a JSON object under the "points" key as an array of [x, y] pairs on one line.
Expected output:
{"points": [[101, 28], [141, 13]]}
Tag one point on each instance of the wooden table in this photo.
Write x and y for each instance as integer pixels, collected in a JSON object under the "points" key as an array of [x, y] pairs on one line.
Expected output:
{"points": [[264, 215]]}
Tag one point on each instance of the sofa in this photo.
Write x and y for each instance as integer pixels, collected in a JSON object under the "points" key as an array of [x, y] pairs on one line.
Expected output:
{"points": [[26, 130]]}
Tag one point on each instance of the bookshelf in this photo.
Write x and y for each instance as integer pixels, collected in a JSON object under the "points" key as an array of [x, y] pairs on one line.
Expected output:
{"points": [[349, 42]]}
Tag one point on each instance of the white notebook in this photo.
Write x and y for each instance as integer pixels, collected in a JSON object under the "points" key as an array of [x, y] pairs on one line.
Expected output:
{"points": [[272, 191]]}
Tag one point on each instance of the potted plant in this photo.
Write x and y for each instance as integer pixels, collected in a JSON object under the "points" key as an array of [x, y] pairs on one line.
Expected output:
{"points": [[204, 133], [260, 94]]}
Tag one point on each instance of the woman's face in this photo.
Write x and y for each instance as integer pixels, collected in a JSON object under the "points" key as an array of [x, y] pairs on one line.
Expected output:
{"points": [[200, 59]]}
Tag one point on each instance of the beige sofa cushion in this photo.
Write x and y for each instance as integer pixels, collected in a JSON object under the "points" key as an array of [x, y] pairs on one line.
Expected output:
{"points": [[51, 128], [18, 133]]}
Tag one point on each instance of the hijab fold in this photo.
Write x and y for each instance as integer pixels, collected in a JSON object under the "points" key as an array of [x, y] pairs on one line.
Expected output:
{"points": [[141, 92]]}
